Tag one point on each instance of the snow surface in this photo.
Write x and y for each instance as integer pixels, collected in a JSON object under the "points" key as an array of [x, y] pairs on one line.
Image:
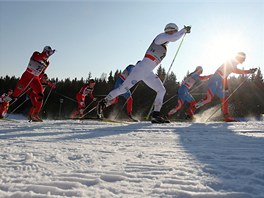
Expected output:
{"points": [[70, 158]]}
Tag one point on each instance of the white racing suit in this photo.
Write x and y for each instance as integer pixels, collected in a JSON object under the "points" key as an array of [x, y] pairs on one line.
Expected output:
{"points": [[144, 69]]}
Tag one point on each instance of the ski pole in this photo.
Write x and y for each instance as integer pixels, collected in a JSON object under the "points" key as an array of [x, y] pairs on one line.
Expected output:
{"points": [[89, 111], [18, 106], [170, 99], [166, 76], [47, 98], [88, 106], [226, 99], [66, 97]]}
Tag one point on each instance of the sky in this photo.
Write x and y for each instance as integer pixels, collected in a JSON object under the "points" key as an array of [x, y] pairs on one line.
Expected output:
{"points": [[103, 36]]}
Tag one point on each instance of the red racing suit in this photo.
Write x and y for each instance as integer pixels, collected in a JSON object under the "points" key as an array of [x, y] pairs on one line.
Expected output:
{"points": [[80, 97], [31, 77], [35, 109], [4, 104]]}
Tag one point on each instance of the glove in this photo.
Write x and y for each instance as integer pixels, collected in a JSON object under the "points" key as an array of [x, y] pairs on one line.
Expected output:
{"points": [[94, 99], [188, 29], [51, 52], [53, 86], [252, 71]]}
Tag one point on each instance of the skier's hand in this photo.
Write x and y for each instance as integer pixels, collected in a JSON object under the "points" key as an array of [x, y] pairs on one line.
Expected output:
{"points": [[253, 70], [52, 52], [188, 29], [51, 85], [94, 99]]}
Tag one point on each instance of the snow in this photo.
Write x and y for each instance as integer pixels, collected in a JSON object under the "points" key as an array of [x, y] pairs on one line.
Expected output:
{"points": [[71, 158]]}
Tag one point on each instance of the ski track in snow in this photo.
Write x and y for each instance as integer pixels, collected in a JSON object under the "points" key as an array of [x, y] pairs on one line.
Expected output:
{"points": [[74, 158]]}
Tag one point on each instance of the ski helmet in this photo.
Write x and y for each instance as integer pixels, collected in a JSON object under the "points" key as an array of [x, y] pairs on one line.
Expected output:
{"points": [[91, 81], [241, 54], [47, 49], [241, 57], [199, 68], [171, 27]]}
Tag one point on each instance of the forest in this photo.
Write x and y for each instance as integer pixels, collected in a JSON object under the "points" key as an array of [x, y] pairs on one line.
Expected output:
{"points": [[246, 96]]}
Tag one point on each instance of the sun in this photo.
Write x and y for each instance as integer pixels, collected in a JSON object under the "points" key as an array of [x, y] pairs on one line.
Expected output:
{"points": [[222, 47]]}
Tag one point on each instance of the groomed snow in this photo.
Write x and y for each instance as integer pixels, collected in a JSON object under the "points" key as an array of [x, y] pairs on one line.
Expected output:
{"points": [[73, 158]]}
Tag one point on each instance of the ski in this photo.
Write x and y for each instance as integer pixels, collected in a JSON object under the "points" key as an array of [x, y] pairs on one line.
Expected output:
{"points": [[9, 120]]}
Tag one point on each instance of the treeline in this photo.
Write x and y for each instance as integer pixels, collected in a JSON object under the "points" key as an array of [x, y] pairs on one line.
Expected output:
{"points": [[59, 103]]}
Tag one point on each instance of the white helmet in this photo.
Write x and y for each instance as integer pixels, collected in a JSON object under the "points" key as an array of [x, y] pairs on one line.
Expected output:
{"points": [[171, 27], [241, 57], [241, 54]]}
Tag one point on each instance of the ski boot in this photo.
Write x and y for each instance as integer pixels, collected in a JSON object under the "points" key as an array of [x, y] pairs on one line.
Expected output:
{"points": [[156, 118], [100, 107], [131, 118], [171, 112], [35, 118], [228, 118]]}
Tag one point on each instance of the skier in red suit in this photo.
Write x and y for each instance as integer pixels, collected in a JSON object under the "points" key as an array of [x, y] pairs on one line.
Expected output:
{"points": [[87, 89], [35, 109], [31, 77], [4, 102]]}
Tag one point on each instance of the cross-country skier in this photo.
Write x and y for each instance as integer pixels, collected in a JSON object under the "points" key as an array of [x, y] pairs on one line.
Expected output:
{"points": [[144, 70], [217, 84], [128, 96], [4, 102], [184, 91], [87, 89], [31, 77], [35, 109]]}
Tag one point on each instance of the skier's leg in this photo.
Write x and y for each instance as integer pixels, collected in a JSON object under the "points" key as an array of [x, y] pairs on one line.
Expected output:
{"points": [[131, 80], [155, 83], [181, 99], [224, 100], [33, 100], [208, 98], [22, 84], [135, 76], [3, 109], [129, 105], [81, 107], [38, 89], [191, 109], [177, 108], [138, 73]]}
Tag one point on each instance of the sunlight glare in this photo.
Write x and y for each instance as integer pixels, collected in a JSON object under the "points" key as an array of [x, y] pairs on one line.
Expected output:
{"points": [[221, 48]]}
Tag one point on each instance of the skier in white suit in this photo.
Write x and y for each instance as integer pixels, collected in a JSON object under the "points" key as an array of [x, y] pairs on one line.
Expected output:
{"points": [[144, 71]]}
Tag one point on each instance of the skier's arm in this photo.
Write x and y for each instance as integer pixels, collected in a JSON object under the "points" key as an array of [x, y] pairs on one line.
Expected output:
{"points": [[39, 56], [51, 85], [91, 95], [164, 37], [240, 71], [205, 77]]}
